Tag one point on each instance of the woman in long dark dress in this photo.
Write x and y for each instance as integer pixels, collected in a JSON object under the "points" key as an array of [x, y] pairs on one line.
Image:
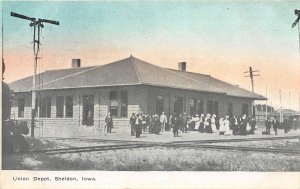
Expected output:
{"points": [[138, 126], [156, 125], [207, 124]]}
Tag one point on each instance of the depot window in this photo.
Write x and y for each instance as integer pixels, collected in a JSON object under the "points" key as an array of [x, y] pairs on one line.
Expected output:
{"points": [[199, 106], [245, 109], [192, 106], [59, 106], [21, 107], [230, 109], [212, 107], [69, 106], [45, 107], [124, 104], [113, 96]]}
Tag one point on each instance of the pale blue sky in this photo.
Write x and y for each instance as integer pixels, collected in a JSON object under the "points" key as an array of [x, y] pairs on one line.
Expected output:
{"points": [[139, 22], [214, 37]]}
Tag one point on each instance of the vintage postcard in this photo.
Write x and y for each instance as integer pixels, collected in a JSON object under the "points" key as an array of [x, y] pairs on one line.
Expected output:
{"points": [[150, 94]]}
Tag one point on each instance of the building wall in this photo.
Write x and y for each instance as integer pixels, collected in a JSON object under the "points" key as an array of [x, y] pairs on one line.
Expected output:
{"points": [[237, 105], [169, 95], [140, 99], [54, 126]]}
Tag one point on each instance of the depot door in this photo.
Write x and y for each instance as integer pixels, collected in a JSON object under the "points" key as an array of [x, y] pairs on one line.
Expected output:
{"points": [[159, 105], [88, 110], [178, 105]]}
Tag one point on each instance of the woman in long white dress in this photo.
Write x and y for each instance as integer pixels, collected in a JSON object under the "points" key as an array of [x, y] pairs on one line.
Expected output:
{"points": [[222, 128], [213, 124], [197, 122], [227, 126]]}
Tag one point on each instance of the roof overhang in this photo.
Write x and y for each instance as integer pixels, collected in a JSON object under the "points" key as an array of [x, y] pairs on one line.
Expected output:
{"points": [[251, 98], [147, 84]]}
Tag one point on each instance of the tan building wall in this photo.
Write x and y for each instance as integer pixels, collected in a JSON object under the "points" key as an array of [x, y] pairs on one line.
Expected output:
{"points": [[169, 95], [140, 99]]}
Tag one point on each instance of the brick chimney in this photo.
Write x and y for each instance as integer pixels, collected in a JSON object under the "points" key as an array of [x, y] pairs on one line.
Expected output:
{"points": [[76, 63], [182, 66]]}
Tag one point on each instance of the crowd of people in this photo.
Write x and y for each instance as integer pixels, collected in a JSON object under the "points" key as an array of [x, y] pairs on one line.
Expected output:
{"points": [[154, 124], [227, 125]]}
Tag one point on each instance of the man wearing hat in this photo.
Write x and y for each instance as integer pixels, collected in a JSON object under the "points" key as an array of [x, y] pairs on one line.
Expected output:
{"points": [[138, 126], [132, 124], [109, 122], [207, 124], [176, 124], [275, 125], [184, 122], [202, 120]]}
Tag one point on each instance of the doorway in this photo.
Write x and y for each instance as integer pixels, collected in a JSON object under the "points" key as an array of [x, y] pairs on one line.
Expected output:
{"points": [[178, 105], [88, 110], [159, 105]]}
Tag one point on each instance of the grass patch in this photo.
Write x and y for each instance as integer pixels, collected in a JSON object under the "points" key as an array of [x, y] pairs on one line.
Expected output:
{"points": [[152, 159]]}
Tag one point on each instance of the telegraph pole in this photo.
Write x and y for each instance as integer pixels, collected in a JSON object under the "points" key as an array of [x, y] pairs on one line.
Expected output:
{"points": [[281, 116], [289, 100], [297, 13], [266, 102], [36, 48], [251, 75]]}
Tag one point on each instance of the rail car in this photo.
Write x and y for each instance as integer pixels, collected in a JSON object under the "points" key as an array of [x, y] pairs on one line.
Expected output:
{"points": [[13, 140]]}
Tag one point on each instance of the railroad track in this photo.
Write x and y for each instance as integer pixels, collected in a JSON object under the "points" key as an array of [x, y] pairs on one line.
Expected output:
{"points": [[92, 148], [240, 139], [238, 148], [93, 140], [196, 145], [189, 141]]}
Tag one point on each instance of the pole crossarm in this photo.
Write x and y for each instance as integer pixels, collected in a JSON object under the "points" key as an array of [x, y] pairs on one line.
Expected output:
{"points": [[21, 16], [49, 21], [251, 75], [297, 13], [39, 21]]}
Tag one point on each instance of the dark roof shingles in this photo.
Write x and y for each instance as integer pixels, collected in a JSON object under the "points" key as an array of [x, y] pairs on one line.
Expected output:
{"points": [[131, 71]]}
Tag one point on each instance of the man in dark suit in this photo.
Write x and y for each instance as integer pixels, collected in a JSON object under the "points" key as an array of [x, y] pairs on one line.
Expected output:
{"points": [[176, 124], [184, 120], [132, 122], [138, 125], [243, 125], [275, 125], [109, 122], [286, 125], [268, 125], [252, 124]]}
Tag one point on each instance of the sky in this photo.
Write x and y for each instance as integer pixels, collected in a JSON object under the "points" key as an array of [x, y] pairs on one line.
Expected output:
{"points": [[219, 38]]}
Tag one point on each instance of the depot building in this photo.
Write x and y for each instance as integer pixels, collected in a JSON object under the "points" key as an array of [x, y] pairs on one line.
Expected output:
{"points": [[81, 97]]}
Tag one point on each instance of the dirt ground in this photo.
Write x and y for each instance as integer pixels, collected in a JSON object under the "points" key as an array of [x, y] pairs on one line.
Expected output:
{"points": [[167, 136], [156, 158]]}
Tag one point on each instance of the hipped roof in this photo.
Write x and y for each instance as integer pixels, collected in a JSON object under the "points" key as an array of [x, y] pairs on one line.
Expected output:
{"points": [[130, 71]]}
